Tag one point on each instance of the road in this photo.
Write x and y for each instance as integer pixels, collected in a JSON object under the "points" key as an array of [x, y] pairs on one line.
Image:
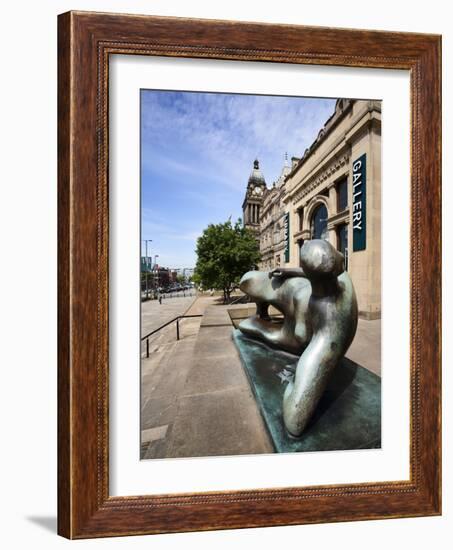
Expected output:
{"points": [[173, 294]]}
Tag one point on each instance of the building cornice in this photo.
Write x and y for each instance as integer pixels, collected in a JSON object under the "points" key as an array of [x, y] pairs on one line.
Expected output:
{"points": [[311, 184], [373, 107], [331, 123], [367, 118], [370, 119]]}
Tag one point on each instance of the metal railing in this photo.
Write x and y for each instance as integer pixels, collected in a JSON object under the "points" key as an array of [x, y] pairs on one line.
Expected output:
{"points": [[244, 297], [166, 325]]}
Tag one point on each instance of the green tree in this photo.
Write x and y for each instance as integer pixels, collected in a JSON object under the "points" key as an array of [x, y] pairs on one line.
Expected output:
{"points": [[224, 253]]}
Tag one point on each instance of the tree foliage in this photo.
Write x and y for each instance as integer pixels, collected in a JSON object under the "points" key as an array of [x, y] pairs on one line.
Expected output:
{"points": [[224, 253]]}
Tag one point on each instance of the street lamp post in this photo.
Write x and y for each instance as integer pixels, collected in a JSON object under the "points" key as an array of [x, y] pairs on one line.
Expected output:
{"points": [[146, 263], [155, 263]]}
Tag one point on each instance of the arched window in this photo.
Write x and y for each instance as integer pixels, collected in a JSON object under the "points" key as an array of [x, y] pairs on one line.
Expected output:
{"points": [[319, 223]]}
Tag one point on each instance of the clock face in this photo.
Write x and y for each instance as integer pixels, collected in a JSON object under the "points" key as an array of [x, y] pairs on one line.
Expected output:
{"points": [[257, 190]]}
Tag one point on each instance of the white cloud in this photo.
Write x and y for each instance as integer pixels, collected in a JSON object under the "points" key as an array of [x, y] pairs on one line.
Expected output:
{"points": [[223, 133]]}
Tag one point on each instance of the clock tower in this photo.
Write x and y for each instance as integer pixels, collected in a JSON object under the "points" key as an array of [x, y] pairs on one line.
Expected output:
{"points": [[253, 201]]}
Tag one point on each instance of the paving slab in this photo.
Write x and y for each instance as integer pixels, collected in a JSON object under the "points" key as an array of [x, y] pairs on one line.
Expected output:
{"points": [[213, 372], [219, 423], [168, 378], [154, 434], [158, 411], [365, 349], [209, 333]]}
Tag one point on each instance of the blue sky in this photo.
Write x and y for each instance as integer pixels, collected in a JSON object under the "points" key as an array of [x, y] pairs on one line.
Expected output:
{"points": [[197, 152]]}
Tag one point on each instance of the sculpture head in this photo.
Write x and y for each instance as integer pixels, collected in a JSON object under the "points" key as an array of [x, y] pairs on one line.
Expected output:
{"points": [[320, 260]]}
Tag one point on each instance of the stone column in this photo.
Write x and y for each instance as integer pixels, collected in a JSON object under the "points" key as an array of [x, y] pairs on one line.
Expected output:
{"points": [[332, 211], [332, 235], [332, 201]]}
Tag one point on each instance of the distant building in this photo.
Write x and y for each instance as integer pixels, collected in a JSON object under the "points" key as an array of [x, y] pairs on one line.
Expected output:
{"points": [[159, 277], [272, 222], [333, 192], [186, 272]]}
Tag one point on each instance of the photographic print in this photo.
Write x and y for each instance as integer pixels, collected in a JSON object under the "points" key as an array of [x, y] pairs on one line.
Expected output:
{"points": [[260, 274]]}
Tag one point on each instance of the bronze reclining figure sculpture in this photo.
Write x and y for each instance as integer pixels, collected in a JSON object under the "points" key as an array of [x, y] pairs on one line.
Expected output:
{"points": [[319, 306]]}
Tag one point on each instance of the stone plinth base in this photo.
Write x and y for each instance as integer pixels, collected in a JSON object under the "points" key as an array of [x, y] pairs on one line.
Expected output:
{"points": [[348, 415]]}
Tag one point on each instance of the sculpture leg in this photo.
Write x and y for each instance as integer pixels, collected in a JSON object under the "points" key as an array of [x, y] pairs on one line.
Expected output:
{"points": [[312, 374], [261, 328], [262, 310]]}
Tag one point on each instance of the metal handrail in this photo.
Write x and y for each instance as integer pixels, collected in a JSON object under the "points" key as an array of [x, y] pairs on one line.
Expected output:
{"points": [[239, 298], [166, 325]]}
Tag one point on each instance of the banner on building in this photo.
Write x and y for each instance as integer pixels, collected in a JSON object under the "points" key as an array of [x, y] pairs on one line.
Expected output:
{"points": [[358, 214], [286, 230]]}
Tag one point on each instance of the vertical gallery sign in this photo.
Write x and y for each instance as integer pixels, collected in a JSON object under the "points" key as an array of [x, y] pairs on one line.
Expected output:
{"points": [[286, 230], [359, 204]]}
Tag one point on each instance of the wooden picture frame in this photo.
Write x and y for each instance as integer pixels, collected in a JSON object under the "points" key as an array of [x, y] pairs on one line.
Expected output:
{"points": [[85, 41]]}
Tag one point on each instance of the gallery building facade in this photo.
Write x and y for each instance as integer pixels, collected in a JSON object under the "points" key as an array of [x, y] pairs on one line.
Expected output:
{"points": [[332, 192]]}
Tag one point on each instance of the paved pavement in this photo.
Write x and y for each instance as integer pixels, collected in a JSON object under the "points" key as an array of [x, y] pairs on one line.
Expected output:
{"points": [[155, 314], [366, 346]]}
